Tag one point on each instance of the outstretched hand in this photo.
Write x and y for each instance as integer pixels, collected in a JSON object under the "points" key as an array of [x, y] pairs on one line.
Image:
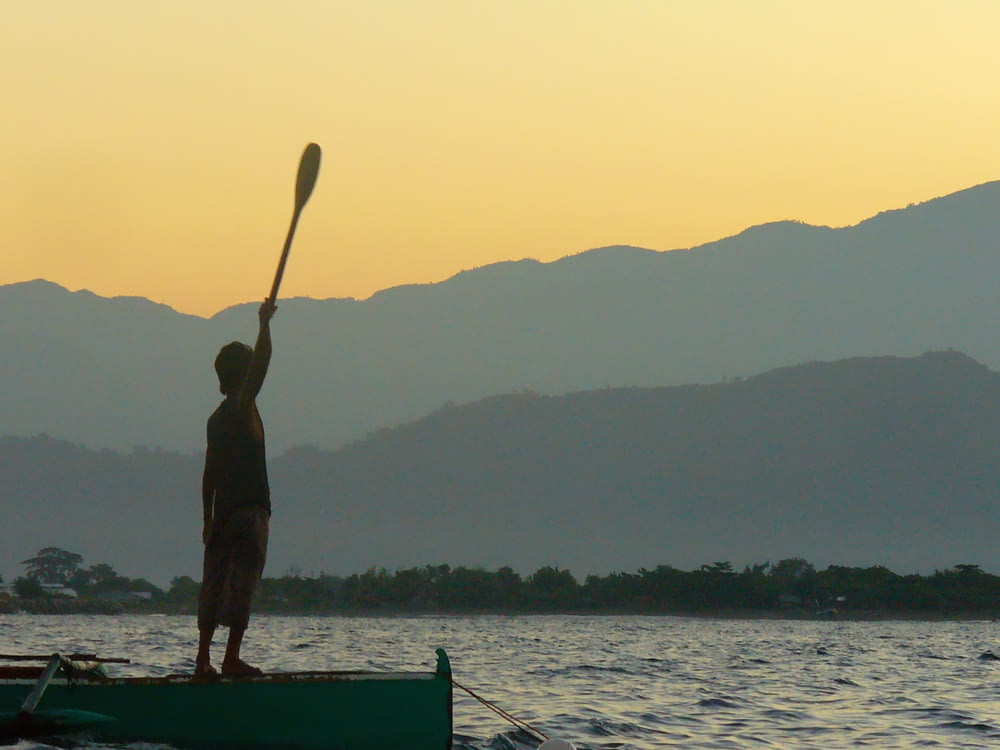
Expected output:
{"points": [[266, 311]]}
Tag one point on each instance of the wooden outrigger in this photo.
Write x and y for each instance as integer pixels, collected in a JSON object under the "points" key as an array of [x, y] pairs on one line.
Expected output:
{"points": [[304, 710]]}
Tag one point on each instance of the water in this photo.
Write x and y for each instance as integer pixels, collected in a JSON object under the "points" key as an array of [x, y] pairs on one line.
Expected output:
{"points": [[620, 683]]}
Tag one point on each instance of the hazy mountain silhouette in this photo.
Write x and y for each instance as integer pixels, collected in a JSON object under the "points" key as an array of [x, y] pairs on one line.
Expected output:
{"points": [[862, 461], [123, 372]]}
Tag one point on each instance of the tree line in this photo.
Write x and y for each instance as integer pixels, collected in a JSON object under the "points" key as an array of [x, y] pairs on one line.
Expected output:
{"points": [[53, 570], [789, 584]]}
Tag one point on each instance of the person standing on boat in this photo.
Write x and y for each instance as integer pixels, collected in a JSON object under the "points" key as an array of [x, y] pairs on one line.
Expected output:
{"points": [[236, 501]]}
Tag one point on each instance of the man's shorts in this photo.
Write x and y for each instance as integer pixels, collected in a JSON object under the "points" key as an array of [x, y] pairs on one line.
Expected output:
{"points": [[234, 560]]}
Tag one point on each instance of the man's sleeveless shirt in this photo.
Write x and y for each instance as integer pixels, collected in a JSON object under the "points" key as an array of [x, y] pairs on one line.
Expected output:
{"points": [[241, 468]]}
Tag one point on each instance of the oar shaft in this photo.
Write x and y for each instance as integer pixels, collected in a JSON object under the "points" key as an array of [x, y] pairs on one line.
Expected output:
{"points": [[305, 181], [273, 296]]}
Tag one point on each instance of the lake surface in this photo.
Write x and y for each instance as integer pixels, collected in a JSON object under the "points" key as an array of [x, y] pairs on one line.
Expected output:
{"points": [[618, 683]]}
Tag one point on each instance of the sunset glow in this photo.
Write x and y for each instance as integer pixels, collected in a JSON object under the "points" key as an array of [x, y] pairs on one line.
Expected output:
{"points": [[150, 148]]}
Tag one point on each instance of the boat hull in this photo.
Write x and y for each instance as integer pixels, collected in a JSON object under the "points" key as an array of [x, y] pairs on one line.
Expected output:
{"points": [[307, 710]]}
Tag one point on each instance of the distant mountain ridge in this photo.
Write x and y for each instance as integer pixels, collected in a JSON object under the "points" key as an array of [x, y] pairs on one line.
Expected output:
{"points": [[125, 371], [864, 461]]}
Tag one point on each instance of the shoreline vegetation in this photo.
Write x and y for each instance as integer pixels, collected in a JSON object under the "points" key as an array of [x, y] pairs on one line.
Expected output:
{"points": [[56, 582], [114, 609]]}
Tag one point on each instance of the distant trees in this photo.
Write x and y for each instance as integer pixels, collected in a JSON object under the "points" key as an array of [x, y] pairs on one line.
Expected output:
{"points": [[102, 579], [796, 577], [792, 584], [28, 588], [182, 593], [52, 565], [550, 587]]}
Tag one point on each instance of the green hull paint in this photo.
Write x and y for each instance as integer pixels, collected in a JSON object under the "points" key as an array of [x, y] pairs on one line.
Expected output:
{"points": [[308, 710]]}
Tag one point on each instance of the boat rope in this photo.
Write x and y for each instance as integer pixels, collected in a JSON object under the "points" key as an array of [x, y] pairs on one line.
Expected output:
{"points": [[522, 725]]}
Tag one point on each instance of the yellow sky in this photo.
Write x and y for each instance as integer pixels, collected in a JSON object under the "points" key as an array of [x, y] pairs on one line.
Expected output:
{"points": [[150, 147]]}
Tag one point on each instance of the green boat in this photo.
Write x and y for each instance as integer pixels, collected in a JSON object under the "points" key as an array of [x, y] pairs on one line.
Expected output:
{"points": [[307, 710]]}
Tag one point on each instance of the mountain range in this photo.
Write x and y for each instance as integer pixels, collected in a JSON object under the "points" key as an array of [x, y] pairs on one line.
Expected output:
{"points": [[864, 461], [123, 372]]}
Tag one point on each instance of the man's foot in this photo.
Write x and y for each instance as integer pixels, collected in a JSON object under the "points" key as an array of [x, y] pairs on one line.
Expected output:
{"points": [[239, 668], [205, 671]]}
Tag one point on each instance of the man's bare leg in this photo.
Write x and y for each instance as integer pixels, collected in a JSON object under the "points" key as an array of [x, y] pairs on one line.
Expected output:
{"points": [[232, 665], [203, 662]]}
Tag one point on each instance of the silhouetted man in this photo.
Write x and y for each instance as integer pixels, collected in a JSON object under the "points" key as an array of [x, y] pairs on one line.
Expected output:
{"points": [[236, 500]]}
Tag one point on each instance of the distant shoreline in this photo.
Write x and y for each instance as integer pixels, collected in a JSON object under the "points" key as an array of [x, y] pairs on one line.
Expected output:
{"points": [[116, 609]]}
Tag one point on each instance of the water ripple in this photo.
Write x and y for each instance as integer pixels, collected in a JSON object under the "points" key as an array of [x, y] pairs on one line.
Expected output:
{"points": [[618, 683]]}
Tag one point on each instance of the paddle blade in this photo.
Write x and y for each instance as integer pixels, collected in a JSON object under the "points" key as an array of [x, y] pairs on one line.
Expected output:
{"points": [[308, 172]]}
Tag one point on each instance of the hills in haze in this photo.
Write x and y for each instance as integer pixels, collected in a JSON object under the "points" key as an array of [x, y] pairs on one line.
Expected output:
{"points": [[862, 461], [599, 454], [124, 372]]}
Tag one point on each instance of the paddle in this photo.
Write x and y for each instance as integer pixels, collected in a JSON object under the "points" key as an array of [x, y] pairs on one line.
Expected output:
{"points": [[304, 183], [28, 723]]}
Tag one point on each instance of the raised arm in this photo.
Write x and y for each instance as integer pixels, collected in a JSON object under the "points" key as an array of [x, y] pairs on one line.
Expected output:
{"points": [[257, 370]]}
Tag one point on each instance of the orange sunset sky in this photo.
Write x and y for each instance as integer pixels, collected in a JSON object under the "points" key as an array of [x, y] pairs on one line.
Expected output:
{"points": [[150, 147]]}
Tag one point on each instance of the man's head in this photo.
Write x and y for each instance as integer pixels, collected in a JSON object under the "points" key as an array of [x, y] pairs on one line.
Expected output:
{"points": [[231, 365]]}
